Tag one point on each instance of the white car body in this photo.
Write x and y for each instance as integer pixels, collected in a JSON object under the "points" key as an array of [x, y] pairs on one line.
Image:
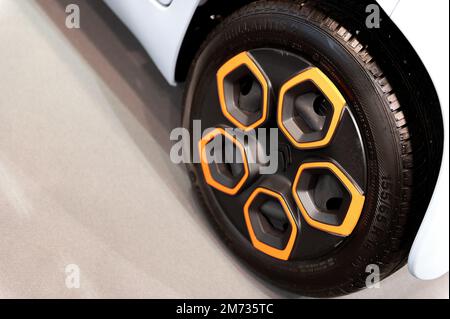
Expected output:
{"points": [[429, 256]]}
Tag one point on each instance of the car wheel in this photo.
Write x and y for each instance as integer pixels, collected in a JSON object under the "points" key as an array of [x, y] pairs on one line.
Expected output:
{"points": [[339, 201]]}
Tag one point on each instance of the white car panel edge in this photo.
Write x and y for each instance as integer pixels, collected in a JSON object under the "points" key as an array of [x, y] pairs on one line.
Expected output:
{"points": [[420, 22], [388, 5], [160, 26]]}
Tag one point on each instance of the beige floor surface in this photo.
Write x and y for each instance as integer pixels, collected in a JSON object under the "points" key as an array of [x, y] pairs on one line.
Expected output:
{"points": [[85, 176]]}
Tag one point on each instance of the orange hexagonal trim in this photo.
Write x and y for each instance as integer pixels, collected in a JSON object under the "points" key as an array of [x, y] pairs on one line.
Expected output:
{"points": [[331, 93], [205, 165], [355, 208], [285, 253], [243, 59]]}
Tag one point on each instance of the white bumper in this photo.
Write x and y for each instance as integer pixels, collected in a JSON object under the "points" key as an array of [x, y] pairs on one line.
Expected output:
{"points": [[160, 26], [426, 25]]}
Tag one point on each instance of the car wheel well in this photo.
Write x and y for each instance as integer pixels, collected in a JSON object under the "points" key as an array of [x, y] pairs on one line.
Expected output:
{"points": [[205, 19]]}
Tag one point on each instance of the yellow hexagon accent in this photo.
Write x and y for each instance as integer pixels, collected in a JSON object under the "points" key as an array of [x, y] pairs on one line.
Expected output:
{"points": [[331, 93], [355, 207], [285, 253], [234, 63], [205, 165]]}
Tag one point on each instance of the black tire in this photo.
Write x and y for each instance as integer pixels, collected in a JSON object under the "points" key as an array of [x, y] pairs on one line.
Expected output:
{"points": [[380, 236]]}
